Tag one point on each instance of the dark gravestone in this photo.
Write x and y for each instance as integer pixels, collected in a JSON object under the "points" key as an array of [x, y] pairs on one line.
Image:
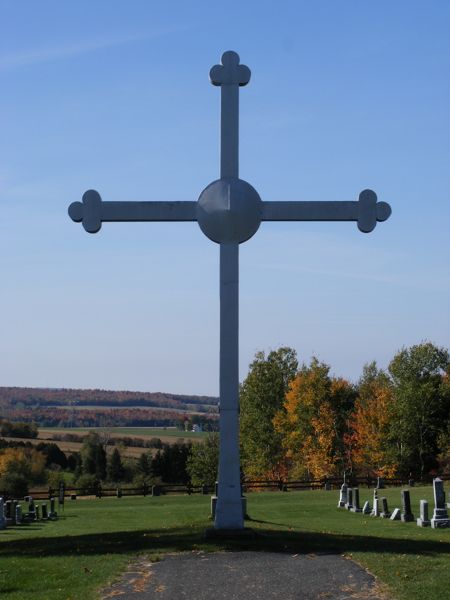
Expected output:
{"points": [[44, 512], [31, 510], [356, 507], [385, 514], [52, 514], [2, 514], [406, 507], [349, 503], [156, 490]]}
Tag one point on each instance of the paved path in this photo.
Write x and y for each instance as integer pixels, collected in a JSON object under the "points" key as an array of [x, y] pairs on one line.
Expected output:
{"points": [[247, 576]]}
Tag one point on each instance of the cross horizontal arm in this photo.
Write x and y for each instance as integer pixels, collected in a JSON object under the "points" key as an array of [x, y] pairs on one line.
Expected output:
{"points": [[366, 211], [92, 211]]}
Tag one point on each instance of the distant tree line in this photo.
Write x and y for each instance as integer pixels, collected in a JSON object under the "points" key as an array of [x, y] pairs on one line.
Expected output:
{"points": [[18, 429], [113, 417]]}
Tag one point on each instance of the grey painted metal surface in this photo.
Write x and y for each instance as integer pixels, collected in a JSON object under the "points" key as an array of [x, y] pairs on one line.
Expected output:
{"points": [[229, 211]]}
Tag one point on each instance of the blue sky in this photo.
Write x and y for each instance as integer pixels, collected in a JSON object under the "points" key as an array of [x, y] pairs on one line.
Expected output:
{"points": [[115, 96]]}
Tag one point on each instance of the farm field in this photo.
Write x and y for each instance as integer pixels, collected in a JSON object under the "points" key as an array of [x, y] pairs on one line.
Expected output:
{"points": [[164, 434], [94, 540], [70, 447]]}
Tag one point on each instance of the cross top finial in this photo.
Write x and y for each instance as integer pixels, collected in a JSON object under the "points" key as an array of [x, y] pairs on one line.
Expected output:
{"points": [[230, 72]]}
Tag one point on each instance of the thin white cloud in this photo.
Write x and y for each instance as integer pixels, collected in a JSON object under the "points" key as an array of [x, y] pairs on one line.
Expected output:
{"points": [[52, 53]]}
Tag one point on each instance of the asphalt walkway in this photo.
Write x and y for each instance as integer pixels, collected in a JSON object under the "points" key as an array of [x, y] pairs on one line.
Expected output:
{"points": [[246, 575]]}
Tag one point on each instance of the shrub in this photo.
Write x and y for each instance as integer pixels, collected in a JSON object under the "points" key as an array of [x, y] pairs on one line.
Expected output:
{"points": [[13, 485]]}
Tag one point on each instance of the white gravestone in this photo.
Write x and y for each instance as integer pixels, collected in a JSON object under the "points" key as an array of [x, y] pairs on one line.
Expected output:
{"points": [[396, 515], [229, 211], [440, 515], [343, 495], [423, 520]]}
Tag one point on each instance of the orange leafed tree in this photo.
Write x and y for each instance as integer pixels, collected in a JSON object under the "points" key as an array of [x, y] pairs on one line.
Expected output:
{"points": [[370, 423], [312, 420]]}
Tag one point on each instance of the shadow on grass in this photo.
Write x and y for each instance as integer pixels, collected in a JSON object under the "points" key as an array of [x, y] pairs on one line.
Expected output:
{"points": [[193, 538]]}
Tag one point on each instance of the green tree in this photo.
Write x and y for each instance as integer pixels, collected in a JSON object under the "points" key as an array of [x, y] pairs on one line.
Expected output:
{"points": [[421, 409], [261, 396], [144, 464], [203, 461], [169, 464], [94, 456], [115, 470]]}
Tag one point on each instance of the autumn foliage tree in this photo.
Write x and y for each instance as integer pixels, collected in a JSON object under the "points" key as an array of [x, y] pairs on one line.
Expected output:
{"points": [[312, 421], [370, 439]]}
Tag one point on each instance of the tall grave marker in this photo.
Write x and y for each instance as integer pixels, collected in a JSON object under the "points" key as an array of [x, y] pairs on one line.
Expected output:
{"points": [[229, 211]]}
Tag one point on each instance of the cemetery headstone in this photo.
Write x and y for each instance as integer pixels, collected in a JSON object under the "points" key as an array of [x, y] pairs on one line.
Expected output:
{"points": [[44, 511], [366, 508], [440, 515], [119, 492], [31, 510], [37, 512], [52, 514], [156, 490], [411, 482], [2, 514], [380, 483], [356, 507], [423, 520], [8, 509], [13, 510], [396, 515], [61, 495], [406, 515], [375, 510], [204, 490], [229, 212], [448, 503], [385, 514], [349, 503], [343, 495], [18, 515]]}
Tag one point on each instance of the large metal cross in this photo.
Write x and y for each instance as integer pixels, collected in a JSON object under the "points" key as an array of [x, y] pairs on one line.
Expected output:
{"points": [[229, 212]]}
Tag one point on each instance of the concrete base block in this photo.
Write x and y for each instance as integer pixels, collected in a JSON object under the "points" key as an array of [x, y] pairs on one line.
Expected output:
{"points": [[356, 510], [407, 518], [440, 523], [214, 504], [422, 523]]}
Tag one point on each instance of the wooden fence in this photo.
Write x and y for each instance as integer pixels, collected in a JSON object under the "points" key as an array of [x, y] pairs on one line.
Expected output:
{"points": [[279, 485]]}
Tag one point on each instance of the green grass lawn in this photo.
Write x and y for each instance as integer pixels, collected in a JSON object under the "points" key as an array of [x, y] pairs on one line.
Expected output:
{"points": [[92, 542]]}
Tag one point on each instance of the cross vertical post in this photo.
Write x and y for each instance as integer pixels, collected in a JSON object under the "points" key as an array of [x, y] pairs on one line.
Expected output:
{"points": [[229, 212]]}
